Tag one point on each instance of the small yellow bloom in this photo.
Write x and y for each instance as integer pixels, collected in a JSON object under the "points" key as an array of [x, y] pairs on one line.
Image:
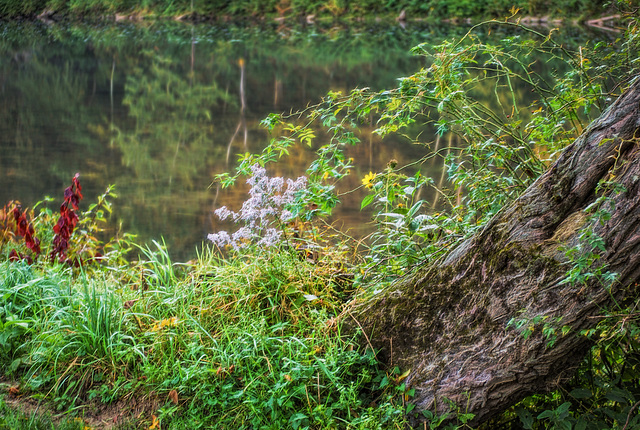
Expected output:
{"points": [[325, 176], [154, 423], [169, 322], [367, 181]]}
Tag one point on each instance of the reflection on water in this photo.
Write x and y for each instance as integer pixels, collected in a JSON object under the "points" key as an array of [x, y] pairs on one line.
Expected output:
{"points": [[158, 109]]}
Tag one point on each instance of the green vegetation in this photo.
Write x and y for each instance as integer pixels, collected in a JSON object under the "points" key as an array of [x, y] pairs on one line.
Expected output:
{"points": [[254, 335], [197, 9], [250, 342], [11, 418]]}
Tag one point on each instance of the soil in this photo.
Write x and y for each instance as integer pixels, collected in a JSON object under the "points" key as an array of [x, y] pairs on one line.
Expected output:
{"points": [[130, 411]]}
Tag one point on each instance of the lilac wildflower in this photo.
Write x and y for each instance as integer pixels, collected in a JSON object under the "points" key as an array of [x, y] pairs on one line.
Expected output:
{"points": [[223, 213], [275, 185], [257, 173], [219, 239], [286, 215], [264, 210], [271, 238], [241, 237]]}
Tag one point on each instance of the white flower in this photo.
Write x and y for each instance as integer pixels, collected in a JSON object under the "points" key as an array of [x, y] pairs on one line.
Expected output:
{"points": [[220, 238], [271, 237], [223, 213], [286, 215], [262, 212]]}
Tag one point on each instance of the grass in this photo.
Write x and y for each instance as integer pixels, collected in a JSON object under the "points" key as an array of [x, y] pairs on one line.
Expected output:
{"points": [[254, 342], [13, 419]]}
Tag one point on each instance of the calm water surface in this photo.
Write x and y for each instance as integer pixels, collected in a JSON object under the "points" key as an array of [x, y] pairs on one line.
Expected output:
{"points": [[159, 109]]}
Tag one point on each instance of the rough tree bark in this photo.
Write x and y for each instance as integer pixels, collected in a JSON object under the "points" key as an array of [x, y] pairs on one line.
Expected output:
{"points": [[448, 322]]}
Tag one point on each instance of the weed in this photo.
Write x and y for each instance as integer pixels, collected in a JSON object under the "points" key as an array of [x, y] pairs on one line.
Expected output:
{"points": [[67, 221], [18, 228], [264, 214]]}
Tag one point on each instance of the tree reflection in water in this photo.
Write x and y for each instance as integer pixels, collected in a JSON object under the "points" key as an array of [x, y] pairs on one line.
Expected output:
{"points": [[158, 108]]}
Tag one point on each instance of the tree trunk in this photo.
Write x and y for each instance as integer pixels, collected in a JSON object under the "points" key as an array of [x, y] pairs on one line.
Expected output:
{"points": [[448, 323]]}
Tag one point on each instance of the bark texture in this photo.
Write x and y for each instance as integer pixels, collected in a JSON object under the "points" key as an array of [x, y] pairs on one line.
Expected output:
{"points": [[448, 322]]}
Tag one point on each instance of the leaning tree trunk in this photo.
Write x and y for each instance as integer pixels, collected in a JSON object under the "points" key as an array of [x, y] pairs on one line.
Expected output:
{"points": [[448, 322]]}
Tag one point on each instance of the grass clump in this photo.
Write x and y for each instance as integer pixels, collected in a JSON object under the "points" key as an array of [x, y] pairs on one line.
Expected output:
{"points": [[254, 343], [250, 339]]}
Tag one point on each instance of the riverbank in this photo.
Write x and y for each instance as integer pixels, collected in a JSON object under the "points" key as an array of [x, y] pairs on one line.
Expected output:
{"points": [[250, 342], [302, 10]]}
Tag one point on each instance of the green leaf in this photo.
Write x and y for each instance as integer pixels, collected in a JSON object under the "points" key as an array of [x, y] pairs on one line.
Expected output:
{"points": [[392, 215], [545, 414], [383, 383], [525, 417], [367, 201], [464, 418], [563, 425], [581, 424], [563, 408], [415, 208], [618, 395], [580, 393], [297, 419]]}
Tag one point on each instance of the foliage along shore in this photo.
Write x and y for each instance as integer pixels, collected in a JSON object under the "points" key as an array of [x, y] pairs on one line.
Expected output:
{"points": [[304, 9], [249, 342], [256, 338]]}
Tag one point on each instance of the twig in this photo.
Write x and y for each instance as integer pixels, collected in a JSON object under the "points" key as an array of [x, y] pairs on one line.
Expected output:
{"points": [[363, 332], [626, 424]]}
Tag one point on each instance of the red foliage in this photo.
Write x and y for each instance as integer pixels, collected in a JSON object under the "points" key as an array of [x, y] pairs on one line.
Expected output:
{"points": [[67, 221], [17, 256], [25, 229]]}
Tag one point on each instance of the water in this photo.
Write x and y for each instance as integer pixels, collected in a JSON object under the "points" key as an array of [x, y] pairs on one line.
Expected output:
{"points": [[158, 109]]}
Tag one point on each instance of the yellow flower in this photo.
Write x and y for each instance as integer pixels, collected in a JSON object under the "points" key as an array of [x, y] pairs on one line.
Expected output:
{"points": [[154, 423], [367, 181], [169, 322]]}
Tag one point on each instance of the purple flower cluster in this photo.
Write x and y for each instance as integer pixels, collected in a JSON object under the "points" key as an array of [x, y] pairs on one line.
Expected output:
{"points": [[262, 212]]}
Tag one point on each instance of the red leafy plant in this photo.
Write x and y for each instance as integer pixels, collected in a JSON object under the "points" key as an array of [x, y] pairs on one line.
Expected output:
{"points": [[12, 211], [18, 228], [67, 221]]}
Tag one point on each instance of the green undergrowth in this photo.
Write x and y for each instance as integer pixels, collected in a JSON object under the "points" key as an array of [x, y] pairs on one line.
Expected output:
{"points": [[255, 342], [247, 343]]}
